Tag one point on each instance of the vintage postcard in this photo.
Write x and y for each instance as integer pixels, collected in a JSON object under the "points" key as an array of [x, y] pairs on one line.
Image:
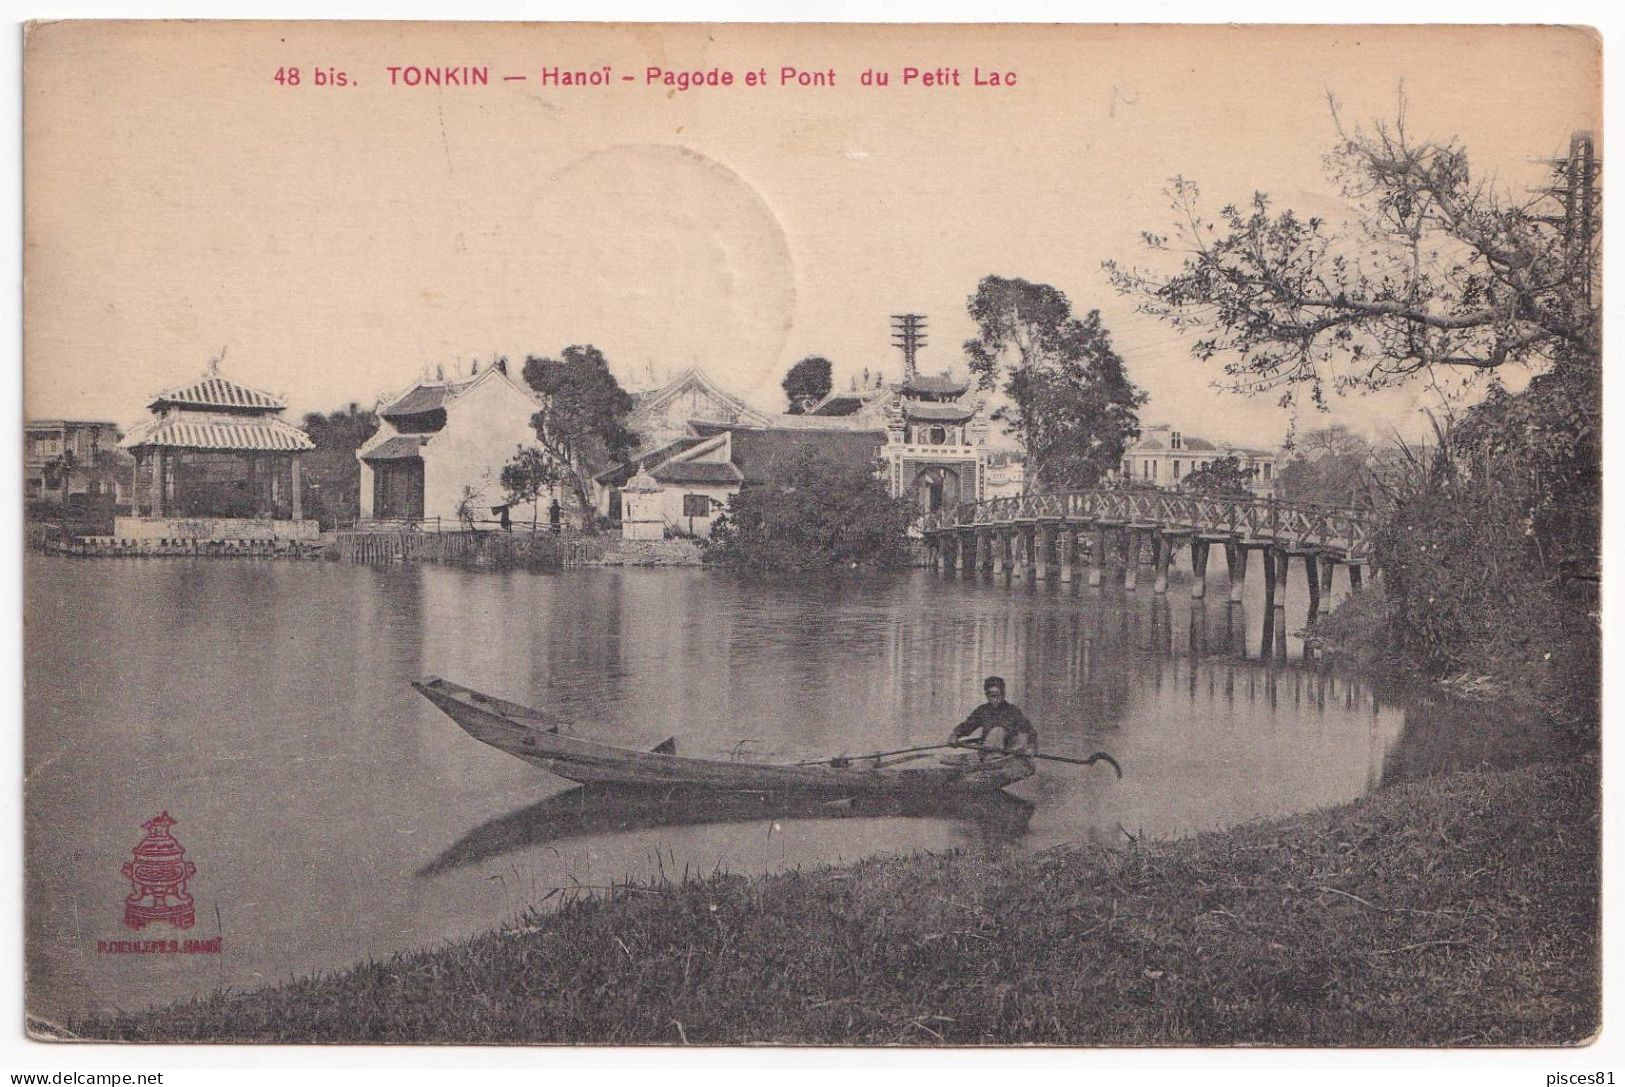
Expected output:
{"points": [[826, 535]]}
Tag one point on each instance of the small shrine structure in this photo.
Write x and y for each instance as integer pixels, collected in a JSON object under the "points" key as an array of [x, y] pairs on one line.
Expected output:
{"points": [[216, 463]]}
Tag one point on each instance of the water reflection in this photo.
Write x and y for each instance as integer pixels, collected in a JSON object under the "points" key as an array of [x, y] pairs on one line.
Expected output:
{"points": [[335, 815], [988, 818]]}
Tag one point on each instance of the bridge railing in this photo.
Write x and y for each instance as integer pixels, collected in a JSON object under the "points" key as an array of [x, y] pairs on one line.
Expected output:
{"points": [[1301, 524]]}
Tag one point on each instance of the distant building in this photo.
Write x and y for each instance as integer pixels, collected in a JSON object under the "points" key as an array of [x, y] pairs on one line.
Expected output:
{"points": [[936, 436], [441, 442], [68, 458], [686, 484], [925, 433], [1005, 475], [1163, 457], [660, 416]]}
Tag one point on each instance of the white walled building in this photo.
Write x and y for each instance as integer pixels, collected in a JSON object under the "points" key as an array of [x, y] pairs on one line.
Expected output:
{"points": [[439, 438], [1163, 457]]}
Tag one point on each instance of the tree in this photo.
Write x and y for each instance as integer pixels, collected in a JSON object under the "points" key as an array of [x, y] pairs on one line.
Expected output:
{"points": [[816, 511], [582, 423], [1222, 478], [1329, 466], [332, 474], [1436, 272], [59, 470], [529, 473], [1071, 405], [1489, 543], [808, 382]]}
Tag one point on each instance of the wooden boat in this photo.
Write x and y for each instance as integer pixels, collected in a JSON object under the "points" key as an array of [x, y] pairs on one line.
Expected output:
{"points": [[543, 739]]}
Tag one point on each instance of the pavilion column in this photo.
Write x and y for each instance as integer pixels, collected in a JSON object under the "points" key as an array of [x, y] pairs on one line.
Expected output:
{"points": [[1097, 555], [1067, 545], [276, 488], [1041, 546], [158, 482], [298, 496], [135, 483]]}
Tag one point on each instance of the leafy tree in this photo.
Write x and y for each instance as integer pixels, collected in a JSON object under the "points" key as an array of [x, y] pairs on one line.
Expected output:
{"points": [[582, 423], [1437, 272], [1489, 544], [815, 512], [59, 469], [1222, 478], [1330, 466], [1071, 404], [808, 382], [332, 474], [529, 474]]}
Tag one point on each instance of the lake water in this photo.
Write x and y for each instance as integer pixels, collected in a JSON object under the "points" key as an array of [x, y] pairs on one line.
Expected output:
{"points": [[335, 815]]}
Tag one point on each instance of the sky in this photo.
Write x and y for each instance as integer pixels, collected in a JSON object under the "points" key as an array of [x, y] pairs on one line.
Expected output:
{"points": [[339, 242]]}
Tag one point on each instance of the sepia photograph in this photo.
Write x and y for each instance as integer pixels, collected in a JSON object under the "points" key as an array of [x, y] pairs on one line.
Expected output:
{"points": [[812, 535]]}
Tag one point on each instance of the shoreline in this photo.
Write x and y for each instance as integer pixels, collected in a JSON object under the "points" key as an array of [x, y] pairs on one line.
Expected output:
{"points": [[1459, 909]]}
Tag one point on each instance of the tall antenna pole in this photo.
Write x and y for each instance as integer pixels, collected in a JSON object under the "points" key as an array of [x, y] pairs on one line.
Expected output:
{"points": [[908, 333]]}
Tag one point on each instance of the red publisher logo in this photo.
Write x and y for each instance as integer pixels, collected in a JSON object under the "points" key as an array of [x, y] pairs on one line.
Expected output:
{"points": [[158, 873]]}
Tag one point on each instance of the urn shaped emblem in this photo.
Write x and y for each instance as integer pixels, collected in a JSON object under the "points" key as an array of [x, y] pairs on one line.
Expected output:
{"points": [[158, 873]]}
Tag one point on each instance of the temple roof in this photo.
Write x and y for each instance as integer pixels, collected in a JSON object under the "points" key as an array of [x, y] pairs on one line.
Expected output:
{"points": [[697, 471], [217, 433], [400, 447], [216, 393], [938, 413], [615, 475], [693, 377], [935, 385], [759, 451], [423, 397]]}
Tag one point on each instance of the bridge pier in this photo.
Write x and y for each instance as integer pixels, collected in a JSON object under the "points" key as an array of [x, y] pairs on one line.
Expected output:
{"points": [[1199, 547], [1267, 647], [1275, 600], [1311, 577], [1236, 557], [1042, 536]]}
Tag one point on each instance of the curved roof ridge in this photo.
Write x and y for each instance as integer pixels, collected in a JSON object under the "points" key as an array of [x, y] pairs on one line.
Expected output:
{"points": [[214, 390]]}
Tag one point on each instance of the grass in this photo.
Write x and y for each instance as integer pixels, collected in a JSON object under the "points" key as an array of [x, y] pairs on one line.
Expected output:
{"points": [[1461, 910]]}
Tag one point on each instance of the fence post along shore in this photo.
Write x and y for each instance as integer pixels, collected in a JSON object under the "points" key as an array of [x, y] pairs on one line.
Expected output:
{"points": [[466, 546]]}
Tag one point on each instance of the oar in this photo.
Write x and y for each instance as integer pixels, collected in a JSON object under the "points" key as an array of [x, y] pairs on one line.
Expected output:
{"points": [[1098, 756], [875, 755]]}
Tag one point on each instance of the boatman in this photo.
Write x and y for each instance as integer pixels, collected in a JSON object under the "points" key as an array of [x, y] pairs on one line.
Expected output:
{"points": [[999, 722]]}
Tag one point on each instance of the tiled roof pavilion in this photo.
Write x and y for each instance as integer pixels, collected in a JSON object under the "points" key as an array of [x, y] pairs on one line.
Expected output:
{"points": [[216, 415]]}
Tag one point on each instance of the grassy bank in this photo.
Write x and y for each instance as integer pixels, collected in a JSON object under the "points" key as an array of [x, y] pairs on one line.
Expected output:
{"points": [[1458, 910]]}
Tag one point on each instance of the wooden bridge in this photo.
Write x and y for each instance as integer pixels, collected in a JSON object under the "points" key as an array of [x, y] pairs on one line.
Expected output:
{"points": [[1041, 535]]}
